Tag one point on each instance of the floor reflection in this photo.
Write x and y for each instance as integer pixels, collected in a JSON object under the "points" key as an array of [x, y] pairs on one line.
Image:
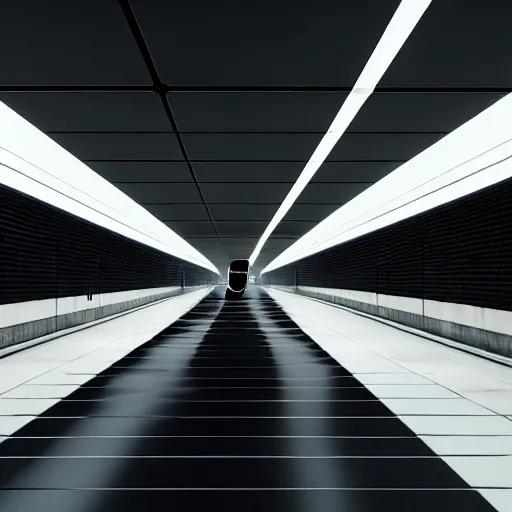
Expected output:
{"points": [[232, 407]]}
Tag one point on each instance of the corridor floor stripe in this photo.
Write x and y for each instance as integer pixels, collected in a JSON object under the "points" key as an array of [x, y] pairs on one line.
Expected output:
{"points": [[151, 450]]}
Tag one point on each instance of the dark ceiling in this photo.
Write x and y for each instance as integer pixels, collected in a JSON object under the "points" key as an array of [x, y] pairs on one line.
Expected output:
{"points": [[205, 112]]}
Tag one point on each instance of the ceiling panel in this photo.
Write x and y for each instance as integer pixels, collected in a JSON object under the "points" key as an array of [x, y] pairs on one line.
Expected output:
{"points": [[247, 171], [253, 229], [207, 244], [457, 43], [161, 192], [221, 261], [243, 211], [172, 212], [312, 212], [245, 192], [90, 111], [120, 146], [420, 112], [353, 172], [241, 228], [255, 111], [188, 229], [293, 228], [279, 244], [250, 146], [58, 42], [243, 43], [331, 193], [236, 243], [162, 172], [382, 146]]}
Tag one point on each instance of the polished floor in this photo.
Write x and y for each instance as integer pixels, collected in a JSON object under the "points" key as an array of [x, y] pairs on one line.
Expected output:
{"points": [[232, 407]]}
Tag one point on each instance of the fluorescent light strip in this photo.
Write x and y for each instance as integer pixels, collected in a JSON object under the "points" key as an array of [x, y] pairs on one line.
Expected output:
{"points": [[398, 30], [42, 191], [33, 163], [474, 156]]}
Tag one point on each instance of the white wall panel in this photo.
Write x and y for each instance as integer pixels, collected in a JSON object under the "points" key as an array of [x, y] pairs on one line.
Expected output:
{"points": [[493, 320], [23, 312]]}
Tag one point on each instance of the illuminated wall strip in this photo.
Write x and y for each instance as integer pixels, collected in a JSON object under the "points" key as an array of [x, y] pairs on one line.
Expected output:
{"points": [[398, 30], [475, 155], [34, 164]]}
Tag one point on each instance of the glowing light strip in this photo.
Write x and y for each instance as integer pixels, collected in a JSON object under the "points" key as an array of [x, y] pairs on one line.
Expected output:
{"points": [[33, 163], [398, 30], [474, 156]]}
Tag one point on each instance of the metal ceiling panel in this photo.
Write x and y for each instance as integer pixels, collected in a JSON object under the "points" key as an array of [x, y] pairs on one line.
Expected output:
{"points": [[170, 212], [324, 43], [143, 172], [461, 43], [245, 192], [251, 146], [92, 111], [161, 192], [239, 172], [120, 146], [58, 42], [310, 111]]}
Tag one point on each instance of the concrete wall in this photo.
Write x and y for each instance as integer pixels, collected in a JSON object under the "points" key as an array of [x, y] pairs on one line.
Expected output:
{"points": [[24, 321]]}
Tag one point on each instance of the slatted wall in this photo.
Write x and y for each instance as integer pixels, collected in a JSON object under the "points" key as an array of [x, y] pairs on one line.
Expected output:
{"points": [[47, 253], [460, 252]]}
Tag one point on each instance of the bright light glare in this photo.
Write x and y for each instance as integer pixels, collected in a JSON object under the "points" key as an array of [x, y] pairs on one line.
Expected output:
{"points": [[398, 30], [34, 164], [474, 156]]}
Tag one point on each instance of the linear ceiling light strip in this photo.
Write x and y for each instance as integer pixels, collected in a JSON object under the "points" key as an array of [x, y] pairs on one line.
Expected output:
{"points": [[398, 30], [21, 166], [77, 189], [475, 155]]}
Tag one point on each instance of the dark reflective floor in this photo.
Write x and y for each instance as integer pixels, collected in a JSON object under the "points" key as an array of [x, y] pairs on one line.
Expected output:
{"points": [[232, 407]]}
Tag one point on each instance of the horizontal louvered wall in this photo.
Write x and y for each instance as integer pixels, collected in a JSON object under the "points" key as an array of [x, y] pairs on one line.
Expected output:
{"points": [[460, 252], [47, 253]]}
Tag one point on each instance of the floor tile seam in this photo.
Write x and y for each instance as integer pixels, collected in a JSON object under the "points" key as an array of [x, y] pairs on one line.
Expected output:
{"points": [[401, 365], [224, 387], [61, 365], [391, 416], [67, 362], [157, 358], [396, 362], [64, 399], [236, 457], [102, 436], [232, 378], [334, 330], [266, 489], [253, 489], [225, 367]]}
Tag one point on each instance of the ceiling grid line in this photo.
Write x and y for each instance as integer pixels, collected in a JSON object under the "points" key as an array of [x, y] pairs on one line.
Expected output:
{"points": [[159, 89], [252, 90]]}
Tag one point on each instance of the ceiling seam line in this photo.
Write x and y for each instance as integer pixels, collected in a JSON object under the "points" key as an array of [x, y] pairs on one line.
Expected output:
{"points": [[161, 90]]}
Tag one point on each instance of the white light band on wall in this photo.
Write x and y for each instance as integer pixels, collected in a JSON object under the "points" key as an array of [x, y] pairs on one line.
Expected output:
{"points": [[474, 156], [33, 163]]}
